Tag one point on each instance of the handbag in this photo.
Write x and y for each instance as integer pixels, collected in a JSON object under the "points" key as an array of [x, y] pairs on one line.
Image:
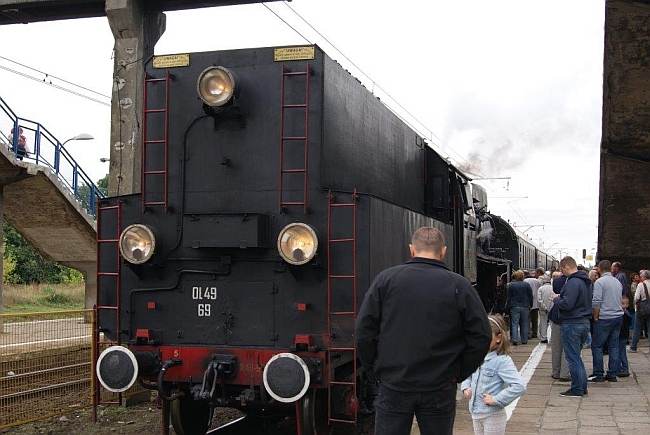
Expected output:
{"points": [[643, 307], [554, 314]]}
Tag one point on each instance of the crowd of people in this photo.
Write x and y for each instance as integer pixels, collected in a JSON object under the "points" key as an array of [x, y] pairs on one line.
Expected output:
{"points": [[422, 330], [594, 308]]}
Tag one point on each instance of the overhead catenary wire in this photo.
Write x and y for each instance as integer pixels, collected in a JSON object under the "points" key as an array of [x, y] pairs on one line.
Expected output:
{"points": [[61, 88], [423, 129], [287, 23], [48, 75], [432, 136], [376, 85]]}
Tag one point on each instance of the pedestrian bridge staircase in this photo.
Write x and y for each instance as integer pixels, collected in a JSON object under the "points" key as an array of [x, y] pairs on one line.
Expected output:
{"points": [[48, 198]]}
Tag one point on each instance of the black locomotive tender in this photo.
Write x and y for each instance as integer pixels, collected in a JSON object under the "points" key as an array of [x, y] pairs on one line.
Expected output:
{"points": [[274, 188]]}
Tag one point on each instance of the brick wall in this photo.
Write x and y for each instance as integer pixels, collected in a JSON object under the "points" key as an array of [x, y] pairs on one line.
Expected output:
{"points": [[624, 221]]}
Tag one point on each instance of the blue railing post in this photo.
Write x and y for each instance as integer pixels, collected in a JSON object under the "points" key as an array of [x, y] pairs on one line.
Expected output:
{"points": [[75, 175], [15, 137], [91, 200], [37, 142], [57, 156]]}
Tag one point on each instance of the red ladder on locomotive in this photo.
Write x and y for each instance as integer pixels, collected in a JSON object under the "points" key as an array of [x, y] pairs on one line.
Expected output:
{"points": [[163, 142], [304, 139], [102, 277], [351, 241]]}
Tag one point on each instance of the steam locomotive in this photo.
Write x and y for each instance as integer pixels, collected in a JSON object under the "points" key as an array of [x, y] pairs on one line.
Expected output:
{"points": [[274, 188]]}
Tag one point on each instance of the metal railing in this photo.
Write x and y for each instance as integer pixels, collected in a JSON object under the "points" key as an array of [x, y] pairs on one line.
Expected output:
{"points": [[43, 148], [45, 364]]}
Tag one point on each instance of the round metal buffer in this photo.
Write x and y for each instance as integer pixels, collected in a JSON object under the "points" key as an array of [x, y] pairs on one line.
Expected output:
{"points": [[286, 377], [117, 369]]}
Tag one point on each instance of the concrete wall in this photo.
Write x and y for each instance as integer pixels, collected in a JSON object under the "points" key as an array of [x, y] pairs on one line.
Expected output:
{"points": [[624, 224]]}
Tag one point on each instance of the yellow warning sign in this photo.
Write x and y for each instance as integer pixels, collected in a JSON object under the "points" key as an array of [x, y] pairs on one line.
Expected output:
{"points": [[294, 53], [171, 60]]}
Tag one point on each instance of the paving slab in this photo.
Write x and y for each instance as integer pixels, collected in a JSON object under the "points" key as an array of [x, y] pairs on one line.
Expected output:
{"points": [[619, 408]]}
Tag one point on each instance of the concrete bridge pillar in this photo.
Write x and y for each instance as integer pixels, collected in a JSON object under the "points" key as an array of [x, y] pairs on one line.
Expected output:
{"points": [[89, 272], [136, 26]]}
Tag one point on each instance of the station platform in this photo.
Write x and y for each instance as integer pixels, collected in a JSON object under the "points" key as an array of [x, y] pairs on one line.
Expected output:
{"points": [[621, 407]]}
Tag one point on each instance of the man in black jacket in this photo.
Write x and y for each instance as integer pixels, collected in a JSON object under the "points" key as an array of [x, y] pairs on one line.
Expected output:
{"points": [[422, 329]]}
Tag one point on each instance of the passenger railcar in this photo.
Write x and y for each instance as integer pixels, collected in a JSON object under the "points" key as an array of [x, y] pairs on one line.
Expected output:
{"points": [[274, 188], [522, 253]]}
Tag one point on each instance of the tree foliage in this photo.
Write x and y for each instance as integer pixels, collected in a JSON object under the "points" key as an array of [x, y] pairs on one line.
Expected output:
{"points": [[24, 265], [83, 191]]}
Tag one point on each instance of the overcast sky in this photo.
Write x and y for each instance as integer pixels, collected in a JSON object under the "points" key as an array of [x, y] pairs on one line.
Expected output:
{"points": [[507, 88]]}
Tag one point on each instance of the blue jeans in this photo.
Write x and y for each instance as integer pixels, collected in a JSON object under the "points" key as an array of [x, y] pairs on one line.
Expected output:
{"points": [[623, 366], [638, 326], [606, 331], [519, 324], [574, 336]]}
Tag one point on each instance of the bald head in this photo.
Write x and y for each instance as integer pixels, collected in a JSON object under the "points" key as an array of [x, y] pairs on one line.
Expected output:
{"points": [[428, 242]]}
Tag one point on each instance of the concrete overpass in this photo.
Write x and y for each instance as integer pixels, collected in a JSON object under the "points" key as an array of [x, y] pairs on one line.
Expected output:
{"points": [[29, 11], [48, 198], [624, 220]]}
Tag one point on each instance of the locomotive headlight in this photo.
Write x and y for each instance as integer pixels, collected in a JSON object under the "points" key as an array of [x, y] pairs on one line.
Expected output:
{"points": [[297, 243], [216, 86], [137, 243]]}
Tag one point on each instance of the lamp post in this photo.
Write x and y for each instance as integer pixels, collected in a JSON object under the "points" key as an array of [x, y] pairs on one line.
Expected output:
{"points": [[82, 136]]}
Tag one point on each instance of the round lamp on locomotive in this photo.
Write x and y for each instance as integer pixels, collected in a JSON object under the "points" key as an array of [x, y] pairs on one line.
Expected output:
{"points": [[216, 86], [297, 243], [286, 377], [117, 369], [137, 243]]}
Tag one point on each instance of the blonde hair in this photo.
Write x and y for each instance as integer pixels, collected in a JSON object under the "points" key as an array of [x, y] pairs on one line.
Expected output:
{"points": [[499, 329], [518, 275]]}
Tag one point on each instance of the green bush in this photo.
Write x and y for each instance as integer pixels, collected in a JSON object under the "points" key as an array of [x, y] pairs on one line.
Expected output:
{"points": [[24, 265]]}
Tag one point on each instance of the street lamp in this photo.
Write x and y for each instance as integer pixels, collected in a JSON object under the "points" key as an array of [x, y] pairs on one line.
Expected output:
{"points": [[82, 136], [104, 159]]}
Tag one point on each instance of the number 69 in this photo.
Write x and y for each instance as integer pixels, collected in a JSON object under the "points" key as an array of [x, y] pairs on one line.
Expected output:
{"points": [[203, 310]]}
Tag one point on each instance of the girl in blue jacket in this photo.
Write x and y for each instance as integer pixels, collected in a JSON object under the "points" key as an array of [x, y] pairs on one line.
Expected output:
{"points": [[494, 385]]}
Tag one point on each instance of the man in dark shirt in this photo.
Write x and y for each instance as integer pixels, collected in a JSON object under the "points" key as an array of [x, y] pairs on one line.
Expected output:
{"points": [[520, 300], [574, 302], [421, 329], [620, 276]]}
